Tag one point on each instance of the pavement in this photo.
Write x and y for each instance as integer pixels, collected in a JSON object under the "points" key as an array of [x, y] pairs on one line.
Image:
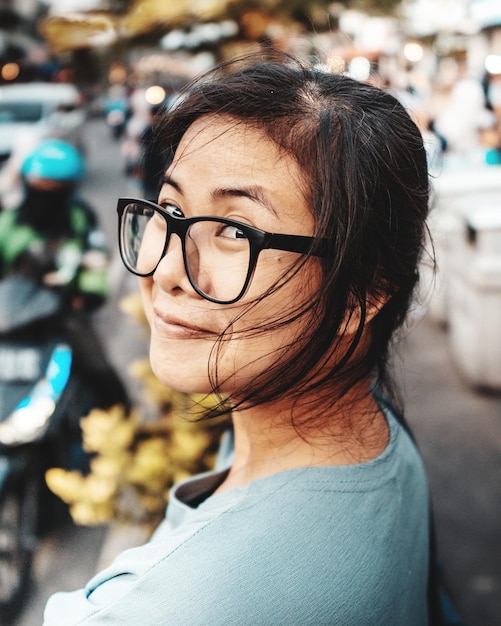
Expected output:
{"points": [[458, 428]]}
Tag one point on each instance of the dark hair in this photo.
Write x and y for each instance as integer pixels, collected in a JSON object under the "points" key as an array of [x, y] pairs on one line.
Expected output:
{"points": [[366, 180]]}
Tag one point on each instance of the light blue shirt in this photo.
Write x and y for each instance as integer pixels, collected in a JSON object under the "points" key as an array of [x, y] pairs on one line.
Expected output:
{"points": [[343, 546]]}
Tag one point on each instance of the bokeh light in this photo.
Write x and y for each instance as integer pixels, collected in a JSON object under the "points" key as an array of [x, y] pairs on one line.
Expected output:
{"points": [[413, 52], [10, 71], [493, 63], [359, 68], [154, 95]]}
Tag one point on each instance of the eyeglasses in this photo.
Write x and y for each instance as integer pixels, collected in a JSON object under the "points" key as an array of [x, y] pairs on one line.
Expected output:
{"points": [[219, 254]]}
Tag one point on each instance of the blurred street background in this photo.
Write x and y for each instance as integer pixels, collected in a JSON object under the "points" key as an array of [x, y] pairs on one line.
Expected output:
{"points": [[442, 59]]}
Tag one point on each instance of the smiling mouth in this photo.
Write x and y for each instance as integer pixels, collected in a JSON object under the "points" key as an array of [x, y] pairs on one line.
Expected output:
{"points": [[177, 329]]}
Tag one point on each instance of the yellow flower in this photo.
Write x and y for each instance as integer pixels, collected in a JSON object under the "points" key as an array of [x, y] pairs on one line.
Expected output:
{"points": [[67, 485], [188, 445], [111, 467], [91, 514], [111, 429], [150, 465], [99, 489]]}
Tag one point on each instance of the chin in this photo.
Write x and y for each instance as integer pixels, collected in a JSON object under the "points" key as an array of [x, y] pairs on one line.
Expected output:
{"points": [[180, 375]]}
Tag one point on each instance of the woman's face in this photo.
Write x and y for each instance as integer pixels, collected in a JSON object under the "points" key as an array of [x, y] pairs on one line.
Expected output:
{"points": [[227, 169]]}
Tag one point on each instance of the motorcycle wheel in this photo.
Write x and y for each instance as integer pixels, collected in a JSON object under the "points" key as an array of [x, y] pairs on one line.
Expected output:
{"points": [[18, 536]]}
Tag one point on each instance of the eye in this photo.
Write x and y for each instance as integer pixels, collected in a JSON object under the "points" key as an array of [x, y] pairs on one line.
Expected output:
{"points": [[172, 209], [231, 231]]}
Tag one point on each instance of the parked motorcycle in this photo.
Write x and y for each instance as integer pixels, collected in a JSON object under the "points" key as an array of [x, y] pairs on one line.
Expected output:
{"points": [[42, 398]]}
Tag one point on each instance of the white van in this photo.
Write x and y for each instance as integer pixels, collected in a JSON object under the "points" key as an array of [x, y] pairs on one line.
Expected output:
{"points": [[29, 114], [38, 111]]}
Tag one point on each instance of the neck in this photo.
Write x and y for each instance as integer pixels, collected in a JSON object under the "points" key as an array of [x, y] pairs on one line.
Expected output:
{"points": [[271, 438]]}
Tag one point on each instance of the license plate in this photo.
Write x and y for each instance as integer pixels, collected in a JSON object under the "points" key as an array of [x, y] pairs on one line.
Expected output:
{"points": [[22, 364]]}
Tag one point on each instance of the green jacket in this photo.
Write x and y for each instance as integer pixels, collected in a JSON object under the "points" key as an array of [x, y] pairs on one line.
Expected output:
{"points": [[78, 262]]}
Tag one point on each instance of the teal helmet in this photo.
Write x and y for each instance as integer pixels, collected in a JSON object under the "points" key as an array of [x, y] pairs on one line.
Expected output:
{"points": [[54, 160]]}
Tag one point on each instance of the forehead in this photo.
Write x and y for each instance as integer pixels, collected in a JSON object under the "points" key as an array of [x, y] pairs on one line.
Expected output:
{"points": [[221, 157], [235, 143]]}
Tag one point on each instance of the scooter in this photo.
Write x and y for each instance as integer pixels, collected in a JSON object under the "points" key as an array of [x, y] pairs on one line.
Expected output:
{"points": [[42, 399]]}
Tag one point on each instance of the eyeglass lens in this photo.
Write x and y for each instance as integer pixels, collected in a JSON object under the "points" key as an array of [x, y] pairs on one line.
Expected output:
{"points": [[216, 254]]}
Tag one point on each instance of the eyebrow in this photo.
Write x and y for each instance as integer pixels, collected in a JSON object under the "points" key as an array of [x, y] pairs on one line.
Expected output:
{"points": [[167, 180], [252, 192]]}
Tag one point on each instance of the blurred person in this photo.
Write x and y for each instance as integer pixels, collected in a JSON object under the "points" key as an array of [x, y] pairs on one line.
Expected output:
{"points": [[275, 270], [117, 110], [149, 169], [131, 145], [53, 237], [492, 86], [418, 105], [139, 152], [131, 149], [462, 120]]}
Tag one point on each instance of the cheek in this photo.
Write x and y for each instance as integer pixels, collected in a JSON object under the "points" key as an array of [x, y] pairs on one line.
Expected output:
{"points": [[274, 323], [292, 287]]}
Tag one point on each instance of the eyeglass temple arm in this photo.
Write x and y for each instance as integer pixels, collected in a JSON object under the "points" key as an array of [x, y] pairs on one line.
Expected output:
{"points": [[298, 243]]}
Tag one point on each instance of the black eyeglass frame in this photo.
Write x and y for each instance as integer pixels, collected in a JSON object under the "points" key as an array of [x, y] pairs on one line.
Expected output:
{"points": [[258, 240]]}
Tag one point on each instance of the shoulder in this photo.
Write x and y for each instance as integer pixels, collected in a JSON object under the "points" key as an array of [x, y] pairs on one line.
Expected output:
{"points": [[309, 547], [312, 546], [86, 226]]}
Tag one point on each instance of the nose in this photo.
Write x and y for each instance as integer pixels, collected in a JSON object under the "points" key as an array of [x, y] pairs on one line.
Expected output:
{"points": [[170, 274]]}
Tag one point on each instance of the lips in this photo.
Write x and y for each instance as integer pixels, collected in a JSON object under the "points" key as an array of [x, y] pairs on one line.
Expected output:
{"points": [[172, 327]]}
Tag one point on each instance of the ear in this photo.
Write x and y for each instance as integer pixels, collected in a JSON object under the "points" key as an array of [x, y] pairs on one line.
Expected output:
{"points": [[373, 306]]}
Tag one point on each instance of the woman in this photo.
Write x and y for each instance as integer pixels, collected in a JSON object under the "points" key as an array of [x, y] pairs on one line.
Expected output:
{"points": [[321, 516]]}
